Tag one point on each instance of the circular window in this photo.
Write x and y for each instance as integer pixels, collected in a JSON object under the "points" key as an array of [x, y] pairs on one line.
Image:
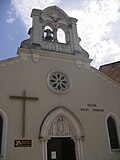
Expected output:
{"points": [[58, 82]]}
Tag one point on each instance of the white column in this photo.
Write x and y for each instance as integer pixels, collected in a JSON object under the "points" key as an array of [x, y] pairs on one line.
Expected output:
{"points": [[76, 149], [55, 35], [36, 26], [75, 38], [46, 140], [80, 141], [67, 37], [44, 148], [79, 148]]}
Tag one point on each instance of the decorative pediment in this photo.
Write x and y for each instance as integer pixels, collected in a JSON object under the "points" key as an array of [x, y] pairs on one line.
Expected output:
{"points": [[55, 13]]}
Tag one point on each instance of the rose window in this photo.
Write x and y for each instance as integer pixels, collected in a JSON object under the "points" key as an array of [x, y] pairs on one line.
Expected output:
{"points": [[59, 81]]}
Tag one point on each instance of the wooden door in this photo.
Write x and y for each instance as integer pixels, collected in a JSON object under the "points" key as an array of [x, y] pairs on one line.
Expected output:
{"points": [[61, 149]]}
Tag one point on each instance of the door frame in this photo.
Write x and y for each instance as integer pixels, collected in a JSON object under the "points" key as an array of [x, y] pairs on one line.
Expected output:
{"points": [[72, 129], [59, 146]]}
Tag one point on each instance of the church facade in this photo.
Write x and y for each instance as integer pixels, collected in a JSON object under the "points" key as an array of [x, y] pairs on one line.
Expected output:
{"points": [[53, 104]]}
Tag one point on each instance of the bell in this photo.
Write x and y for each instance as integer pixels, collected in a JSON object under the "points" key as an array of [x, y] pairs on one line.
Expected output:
{"points": [[48, 34]]}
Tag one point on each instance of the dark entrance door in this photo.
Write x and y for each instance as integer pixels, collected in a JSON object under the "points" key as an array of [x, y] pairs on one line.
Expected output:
{"points": [[61, 149]]}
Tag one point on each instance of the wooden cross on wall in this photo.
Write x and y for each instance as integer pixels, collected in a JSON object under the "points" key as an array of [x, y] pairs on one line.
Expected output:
{"points": [[24, 98]]}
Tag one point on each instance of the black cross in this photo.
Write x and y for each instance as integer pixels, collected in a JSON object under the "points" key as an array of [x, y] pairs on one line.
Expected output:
{"points": [[24, 98]]}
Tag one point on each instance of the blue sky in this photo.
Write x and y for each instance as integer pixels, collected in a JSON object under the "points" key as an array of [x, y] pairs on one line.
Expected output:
{"points": [[11, 33], [98, 26]]}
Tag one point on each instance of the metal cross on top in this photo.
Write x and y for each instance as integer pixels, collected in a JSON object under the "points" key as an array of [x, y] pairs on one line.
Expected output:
{"points": [[24, 98]]}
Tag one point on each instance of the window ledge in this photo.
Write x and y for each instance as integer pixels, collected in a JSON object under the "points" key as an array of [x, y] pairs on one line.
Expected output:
{"points": [[116, 150]]}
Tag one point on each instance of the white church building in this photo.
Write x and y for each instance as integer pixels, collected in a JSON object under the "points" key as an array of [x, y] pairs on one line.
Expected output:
{"points": [[53, 104]]}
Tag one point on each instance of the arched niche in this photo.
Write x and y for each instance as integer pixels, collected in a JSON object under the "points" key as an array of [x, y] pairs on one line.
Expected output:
{"points": [[113, 131], [61, 123], [4, 134], [69, 122], [61, 36], [48, 33], [64, 32]]}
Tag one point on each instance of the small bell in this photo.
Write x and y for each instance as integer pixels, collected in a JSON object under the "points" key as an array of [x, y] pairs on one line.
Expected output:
{"points": [[48, 34]]}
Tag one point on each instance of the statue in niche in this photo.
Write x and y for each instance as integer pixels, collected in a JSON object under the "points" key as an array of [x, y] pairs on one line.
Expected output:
{"points": [[62, 126]]}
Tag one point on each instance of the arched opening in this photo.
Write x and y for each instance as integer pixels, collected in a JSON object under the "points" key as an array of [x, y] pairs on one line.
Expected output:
{"points": [[48, 33], [61, 128], [61, 36], [113, 133], [1, 132]]}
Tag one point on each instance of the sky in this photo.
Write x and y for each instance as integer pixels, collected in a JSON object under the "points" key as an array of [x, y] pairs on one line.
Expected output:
{"points": [[98, 26]]}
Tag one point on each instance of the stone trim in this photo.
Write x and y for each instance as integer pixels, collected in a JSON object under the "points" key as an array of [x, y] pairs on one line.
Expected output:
{"points": [[4, 135], [71, 123]]}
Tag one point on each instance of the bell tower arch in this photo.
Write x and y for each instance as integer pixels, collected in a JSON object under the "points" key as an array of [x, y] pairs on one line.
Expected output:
{"points": [[62, 125], [56, 19]]}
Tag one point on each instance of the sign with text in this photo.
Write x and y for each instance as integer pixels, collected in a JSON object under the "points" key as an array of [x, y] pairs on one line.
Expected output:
{"points": [[92, 107], [23, 143], [53, 155]]}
